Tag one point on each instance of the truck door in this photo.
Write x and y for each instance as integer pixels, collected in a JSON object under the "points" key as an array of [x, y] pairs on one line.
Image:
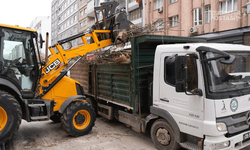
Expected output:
{"points": [[187, 110]]}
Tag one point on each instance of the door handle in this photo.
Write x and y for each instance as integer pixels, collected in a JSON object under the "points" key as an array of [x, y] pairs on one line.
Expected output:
{"points": [[164, 99]]}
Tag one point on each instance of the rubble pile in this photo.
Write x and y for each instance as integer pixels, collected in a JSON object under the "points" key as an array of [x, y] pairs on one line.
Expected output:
{"points": [[109, 56]]}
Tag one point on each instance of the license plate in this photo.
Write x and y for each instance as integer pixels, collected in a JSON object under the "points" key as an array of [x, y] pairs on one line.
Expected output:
{"points": [[246, 136]]}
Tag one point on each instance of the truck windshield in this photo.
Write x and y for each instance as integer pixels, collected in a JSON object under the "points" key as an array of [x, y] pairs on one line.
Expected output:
{"points": [[229, 77]]}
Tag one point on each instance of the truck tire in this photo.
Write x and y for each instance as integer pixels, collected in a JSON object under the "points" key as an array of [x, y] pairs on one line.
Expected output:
{"points": [[78, 118], [56, 118], [163, 136], [11, 116]]}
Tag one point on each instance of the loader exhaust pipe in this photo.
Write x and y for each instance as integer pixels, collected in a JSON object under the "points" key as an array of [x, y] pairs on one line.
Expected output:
{"points": [[46, 47]]}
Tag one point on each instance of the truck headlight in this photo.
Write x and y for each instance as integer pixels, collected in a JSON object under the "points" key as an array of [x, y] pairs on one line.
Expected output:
{"points": [[221, 127], [221, 145]]}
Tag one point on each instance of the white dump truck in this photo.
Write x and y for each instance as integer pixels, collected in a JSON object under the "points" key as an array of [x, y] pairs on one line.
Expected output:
{"points": [[194, 95]]}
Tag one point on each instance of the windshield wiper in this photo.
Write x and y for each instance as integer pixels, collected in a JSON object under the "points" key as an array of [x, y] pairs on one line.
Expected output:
{"points": [[238, 90]]}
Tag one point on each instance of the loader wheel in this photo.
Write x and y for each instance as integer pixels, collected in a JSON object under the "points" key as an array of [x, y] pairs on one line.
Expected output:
{"points": [[10, 116], [92, 102], [163, 136], [78, 118], [56, 118]]}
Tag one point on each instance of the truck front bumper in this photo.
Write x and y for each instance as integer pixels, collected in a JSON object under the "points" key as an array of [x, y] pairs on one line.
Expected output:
{"points": [[223, 143]]}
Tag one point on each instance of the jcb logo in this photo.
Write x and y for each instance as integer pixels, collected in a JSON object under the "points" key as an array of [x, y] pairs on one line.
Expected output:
{"points": [[52, 66]]}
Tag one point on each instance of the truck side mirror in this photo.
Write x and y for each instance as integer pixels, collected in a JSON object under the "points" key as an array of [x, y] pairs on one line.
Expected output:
{"points": [[180, 73], [186, 75]]}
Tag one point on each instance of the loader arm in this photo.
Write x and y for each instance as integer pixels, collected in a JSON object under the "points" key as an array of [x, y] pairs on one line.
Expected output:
{"points": [[54, 69]]}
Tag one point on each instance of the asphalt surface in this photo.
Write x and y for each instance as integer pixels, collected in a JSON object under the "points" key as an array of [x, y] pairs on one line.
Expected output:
{"points": [[105, 135]]}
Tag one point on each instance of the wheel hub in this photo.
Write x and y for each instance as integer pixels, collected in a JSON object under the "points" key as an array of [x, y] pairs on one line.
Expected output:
{"points": [[80, 119], [163, 136], [3, 118]]}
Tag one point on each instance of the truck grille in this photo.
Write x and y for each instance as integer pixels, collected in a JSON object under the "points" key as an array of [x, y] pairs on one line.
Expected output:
{"points": [[236, 123]]}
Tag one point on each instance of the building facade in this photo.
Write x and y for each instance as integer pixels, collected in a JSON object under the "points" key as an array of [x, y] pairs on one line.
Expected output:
{"points": [[195, 17], [135, 13], [65, 20], [42, 26], [54, 22]]}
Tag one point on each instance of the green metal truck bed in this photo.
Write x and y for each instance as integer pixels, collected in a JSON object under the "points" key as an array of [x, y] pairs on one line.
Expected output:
{"points": [[128, 84]]}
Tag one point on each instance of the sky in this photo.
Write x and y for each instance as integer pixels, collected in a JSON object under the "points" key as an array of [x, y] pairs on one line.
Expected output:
{"points": [[23, 12]]}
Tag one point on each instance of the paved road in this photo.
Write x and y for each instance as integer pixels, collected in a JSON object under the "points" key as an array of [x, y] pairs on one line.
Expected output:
{"points": [[106, 135]]}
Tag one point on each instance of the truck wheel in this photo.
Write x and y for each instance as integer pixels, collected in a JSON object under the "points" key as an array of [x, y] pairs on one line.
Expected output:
{"points": [[11, 116], [163, 136], [56, 118], [78, 118]]}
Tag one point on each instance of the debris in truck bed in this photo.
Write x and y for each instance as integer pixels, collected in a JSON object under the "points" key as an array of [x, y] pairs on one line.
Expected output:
{"points": [[109, 56]]}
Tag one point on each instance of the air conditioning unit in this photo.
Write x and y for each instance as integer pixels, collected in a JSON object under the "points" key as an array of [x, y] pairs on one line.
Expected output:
{"points": [[193, 30], [160, 9]]}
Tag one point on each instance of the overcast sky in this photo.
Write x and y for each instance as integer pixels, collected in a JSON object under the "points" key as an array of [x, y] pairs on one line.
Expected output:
{"points": [[23, 12]]}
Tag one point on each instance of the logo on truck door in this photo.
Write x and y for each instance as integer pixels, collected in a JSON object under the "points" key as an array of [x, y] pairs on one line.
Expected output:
{"points": [[52, 66], [234, 105]]}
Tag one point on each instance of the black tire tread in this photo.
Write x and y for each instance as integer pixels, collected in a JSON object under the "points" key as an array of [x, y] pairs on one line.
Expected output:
{"points": [[17, 107], [174, 145], [68, 113]]}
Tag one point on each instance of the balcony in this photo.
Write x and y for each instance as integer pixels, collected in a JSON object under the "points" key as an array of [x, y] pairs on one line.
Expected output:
{"points": [[90, 8], [91, 5]]}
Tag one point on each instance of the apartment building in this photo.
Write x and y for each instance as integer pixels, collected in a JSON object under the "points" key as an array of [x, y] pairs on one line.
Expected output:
{"points": [[64, 20], [54, 22], [135, 13], [85, 19], [42, 26], [197, 17], [86, 16]]}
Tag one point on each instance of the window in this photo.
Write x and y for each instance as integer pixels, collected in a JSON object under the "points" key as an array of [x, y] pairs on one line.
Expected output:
{"points": [[150, 7], [75, 18], [75, 6], [81, 25], [135, 14], [130, 1], [169, 70], [158, 4], [207, 13], [174, 21], [85, 11], [228, 6], [18, 49], [85, 23], [81, 12], [197, 16], [172, 1], [159, 25]]}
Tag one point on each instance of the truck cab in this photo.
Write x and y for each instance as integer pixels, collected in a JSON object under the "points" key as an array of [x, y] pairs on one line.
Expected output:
{"points": [[203, 90]]}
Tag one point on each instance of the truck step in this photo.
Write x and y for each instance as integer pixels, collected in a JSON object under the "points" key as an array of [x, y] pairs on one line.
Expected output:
{"points": [[190, 146], [35, 105], [36, 118]]}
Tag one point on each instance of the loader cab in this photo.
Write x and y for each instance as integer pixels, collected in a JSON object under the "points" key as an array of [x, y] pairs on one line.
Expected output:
{"points": [[18, 61]]}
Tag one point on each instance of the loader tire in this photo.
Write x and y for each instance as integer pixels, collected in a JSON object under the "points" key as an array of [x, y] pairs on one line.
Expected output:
{"points": [[93, 103], [78, 118], [11, 116]]}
